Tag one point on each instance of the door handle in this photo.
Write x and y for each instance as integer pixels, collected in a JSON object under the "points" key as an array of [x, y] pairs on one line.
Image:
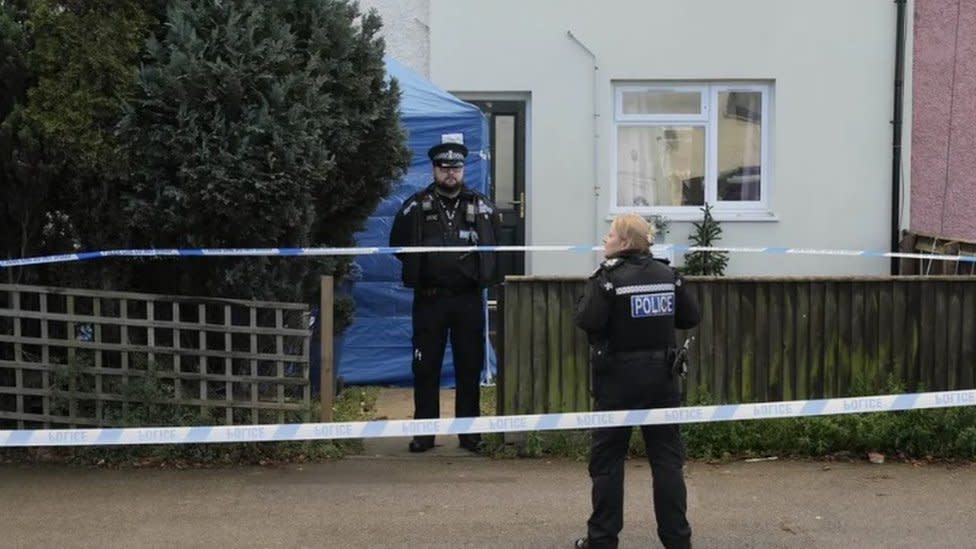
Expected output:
{"points": [[520, 203]]}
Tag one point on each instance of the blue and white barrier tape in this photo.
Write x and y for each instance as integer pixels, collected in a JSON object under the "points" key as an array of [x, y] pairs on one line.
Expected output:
{"points": [[493, 424], [387, 250]]}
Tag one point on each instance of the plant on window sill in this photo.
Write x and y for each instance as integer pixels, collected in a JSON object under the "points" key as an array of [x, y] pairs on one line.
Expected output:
{"points": [[662, 226]]}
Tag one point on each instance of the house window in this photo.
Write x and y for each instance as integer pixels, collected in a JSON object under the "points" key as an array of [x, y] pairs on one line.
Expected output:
{"points": [[679, 146]]}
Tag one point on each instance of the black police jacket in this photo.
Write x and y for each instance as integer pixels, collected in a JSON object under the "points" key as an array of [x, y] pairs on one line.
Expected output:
{"points": [[634, 302], [422, 221]]}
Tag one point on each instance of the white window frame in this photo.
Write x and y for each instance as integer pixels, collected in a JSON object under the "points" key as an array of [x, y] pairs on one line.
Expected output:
{"points": [[708, 118]]}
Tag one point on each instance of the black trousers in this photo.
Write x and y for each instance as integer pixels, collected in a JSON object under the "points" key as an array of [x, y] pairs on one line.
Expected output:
{"points": [[637, 384], [435, 318]]}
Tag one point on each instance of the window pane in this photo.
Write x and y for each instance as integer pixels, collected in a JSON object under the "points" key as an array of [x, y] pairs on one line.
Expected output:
{"points": [[660, 166], [504, 154], [739, 146], [661, 102]]}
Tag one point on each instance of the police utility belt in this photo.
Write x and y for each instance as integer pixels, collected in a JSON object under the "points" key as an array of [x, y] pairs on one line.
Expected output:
{"points": [[652, 356], [677, 358]]}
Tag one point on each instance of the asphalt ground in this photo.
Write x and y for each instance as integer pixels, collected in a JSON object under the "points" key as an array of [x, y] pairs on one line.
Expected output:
{"points": [[456, 500]]}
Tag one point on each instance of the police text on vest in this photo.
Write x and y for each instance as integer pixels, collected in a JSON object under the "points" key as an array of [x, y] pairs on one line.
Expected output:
{"points": [[646, 305]]}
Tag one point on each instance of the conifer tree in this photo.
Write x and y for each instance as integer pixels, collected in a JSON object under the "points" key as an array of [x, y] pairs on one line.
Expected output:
{"points": [[706, 234], [259, 124]]}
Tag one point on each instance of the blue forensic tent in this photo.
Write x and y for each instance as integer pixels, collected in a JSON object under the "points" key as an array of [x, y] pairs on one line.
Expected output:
{"points": [[377, 349]]}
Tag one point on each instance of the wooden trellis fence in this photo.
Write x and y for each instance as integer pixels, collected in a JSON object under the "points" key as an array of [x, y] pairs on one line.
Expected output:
{"points": [[81, 357]]}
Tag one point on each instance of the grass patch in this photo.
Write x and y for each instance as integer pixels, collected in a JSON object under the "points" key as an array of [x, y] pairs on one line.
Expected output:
{"points": [[936, 434], [573, 444], [353, 404], [933, 434]]}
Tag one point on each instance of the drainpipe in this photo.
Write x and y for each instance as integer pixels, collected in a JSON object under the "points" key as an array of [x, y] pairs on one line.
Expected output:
{"points": [[896, 124], [596, 135]]}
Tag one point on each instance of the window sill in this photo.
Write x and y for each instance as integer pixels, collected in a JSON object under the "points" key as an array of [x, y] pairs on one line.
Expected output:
{"points": [[758, 216]]}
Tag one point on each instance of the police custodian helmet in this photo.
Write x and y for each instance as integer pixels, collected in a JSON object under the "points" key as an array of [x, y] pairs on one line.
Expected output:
{"points": [[448, 155]]}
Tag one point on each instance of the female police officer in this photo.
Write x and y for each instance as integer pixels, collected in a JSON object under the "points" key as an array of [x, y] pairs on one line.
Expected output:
{"points": [[630, 308]]}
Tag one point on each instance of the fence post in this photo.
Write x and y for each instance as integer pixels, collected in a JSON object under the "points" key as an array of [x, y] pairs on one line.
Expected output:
{"points": [[326, 390], [907, 245]]}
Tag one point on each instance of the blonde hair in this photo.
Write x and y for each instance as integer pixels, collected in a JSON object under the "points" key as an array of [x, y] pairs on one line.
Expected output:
{"points": [[634, 231]]}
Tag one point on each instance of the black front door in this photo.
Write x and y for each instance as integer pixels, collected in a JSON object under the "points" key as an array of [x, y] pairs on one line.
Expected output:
{"points": [[506, 121]]}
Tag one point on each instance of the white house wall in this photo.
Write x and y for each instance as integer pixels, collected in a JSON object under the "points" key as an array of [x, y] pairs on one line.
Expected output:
{"points": [[406, 31], [830, 63]]}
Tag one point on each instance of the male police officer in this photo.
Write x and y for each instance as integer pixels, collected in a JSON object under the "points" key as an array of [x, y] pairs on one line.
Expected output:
{"points": [[447, 285], [629, 309]]}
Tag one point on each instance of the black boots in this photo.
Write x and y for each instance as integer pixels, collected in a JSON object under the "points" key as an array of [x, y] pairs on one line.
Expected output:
{"points": [[421, 444], [469, 443], [472, 443]]}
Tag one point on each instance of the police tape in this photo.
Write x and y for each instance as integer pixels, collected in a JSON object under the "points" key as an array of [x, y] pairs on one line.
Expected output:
{"points": [[389, 250], [488, 424]]}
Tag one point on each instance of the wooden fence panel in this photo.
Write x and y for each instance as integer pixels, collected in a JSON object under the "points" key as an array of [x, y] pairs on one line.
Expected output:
{"points": [[967, 355], [568, 354], [761, 339], [70, 357], [717, 369]]}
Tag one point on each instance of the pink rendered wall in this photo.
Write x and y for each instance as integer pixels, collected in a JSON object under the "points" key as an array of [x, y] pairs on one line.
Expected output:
{"points": [[943, 194]]}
